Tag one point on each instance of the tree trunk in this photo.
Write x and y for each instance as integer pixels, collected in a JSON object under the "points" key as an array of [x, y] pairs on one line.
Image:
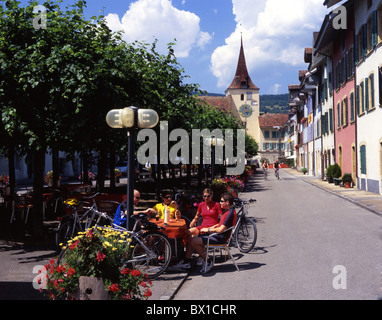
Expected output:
{"points": [[38, 178], [11, 168], [55, 166]]}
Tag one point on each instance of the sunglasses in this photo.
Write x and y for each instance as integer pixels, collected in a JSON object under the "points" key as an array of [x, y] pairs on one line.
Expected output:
{"points": [[222, 201], [206, 196]]}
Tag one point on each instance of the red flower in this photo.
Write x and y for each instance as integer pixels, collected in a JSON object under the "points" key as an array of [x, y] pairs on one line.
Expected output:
{"points": [[73, 245], [100, 256], [148, 293], [71, 271], [113, 288], [125, 271], [135, 273]]}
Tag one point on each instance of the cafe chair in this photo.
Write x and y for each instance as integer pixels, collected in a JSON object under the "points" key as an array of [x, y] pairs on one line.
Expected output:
{"points": [[220, 247], [23, 203]]}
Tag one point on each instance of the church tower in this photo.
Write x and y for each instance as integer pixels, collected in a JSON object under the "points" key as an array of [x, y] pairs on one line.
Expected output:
{"points": [[245, 97]]}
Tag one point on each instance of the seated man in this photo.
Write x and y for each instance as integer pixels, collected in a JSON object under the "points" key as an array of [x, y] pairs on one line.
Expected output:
{"points": [[167, 202], [120, 217], [198, 243]]}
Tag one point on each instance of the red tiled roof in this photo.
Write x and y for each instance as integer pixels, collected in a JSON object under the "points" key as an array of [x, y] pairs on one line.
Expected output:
{"points": [[222, 103], [273, 119]]}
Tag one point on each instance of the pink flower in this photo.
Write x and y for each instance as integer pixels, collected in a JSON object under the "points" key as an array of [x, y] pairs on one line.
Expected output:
{"points": [[100, 256]]}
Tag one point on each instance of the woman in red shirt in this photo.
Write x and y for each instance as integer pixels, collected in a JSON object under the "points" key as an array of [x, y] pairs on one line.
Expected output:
{"points": [[210, 212]]}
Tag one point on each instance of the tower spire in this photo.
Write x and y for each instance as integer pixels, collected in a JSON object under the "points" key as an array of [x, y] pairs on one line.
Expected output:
{"points": [[242, 80]]}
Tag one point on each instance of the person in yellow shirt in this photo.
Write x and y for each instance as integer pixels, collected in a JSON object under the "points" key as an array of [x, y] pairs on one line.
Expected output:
{"points": [[167, 202]]}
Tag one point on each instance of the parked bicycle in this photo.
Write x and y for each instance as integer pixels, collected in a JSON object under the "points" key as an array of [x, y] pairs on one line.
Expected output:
{"points": [[152, 250], [246, 232], [78, 221]]}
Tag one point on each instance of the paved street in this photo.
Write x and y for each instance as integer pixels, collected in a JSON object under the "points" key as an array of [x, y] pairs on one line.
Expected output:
{"points": [[303, 234]]}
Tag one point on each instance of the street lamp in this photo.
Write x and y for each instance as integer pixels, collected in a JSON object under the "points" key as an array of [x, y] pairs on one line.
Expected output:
{"points": [[214, 142], [131, 118]]}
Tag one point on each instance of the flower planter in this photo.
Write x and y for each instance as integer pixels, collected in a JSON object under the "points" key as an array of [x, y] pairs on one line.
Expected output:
{"points": [[330, 180], [91, 288], [347, 185]]}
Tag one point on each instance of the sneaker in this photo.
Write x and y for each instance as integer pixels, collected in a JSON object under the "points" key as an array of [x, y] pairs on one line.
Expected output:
{"points": [[182, 265], [200, 262], [210, 264]]}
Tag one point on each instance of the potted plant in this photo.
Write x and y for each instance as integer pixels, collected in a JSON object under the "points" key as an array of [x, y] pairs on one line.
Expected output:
{"points": [[304, 170], [96, 254], [337, 174], [329, 174], [347, 180]]}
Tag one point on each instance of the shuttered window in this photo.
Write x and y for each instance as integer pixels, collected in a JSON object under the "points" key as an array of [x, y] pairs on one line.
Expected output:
{"points": [[362, 151]]}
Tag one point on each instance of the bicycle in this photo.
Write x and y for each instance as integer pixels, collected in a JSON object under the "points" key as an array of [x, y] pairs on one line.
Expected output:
{"points": [[265, 174], [70, 225], [246, 231], [277, 173], [152, 250]]}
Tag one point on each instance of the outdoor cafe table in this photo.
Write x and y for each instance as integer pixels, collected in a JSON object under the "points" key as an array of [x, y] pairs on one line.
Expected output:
{"points": [[175, 229]]}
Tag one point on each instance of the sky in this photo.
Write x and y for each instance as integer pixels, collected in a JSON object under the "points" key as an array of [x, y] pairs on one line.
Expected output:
{"points": [[208, 32]]}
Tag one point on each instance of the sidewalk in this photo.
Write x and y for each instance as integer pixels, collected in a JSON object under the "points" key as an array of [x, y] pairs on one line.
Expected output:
{"points": [[367, 200]]}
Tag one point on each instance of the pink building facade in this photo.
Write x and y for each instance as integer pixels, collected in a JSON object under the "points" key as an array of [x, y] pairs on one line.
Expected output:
{"points": [[344, 98]]}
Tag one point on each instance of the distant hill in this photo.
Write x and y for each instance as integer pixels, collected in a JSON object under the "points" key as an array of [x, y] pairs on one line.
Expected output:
{"points": [[271, 103], [274, 103]]}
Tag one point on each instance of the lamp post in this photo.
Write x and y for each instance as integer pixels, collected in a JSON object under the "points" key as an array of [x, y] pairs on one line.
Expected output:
{"points": [[214, 142], [131, 118]]}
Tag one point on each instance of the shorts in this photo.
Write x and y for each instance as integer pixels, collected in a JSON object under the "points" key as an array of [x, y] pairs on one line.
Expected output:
{"points": [[215, 239]]}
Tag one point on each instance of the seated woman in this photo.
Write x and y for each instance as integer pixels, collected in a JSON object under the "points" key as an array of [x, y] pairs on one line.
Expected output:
{"points": [[198, 243], [167, 203], [209, 210]]}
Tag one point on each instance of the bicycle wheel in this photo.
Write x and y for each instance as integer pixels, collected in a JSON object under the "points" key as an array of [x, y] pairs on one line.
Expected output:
{"points": [[161, 248], [64, 232], [246, 235]]}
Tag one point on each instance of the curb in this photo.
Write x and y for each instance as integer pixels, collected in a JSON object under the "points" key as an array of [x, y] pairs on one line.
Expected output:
{"points": [[378, 213]]}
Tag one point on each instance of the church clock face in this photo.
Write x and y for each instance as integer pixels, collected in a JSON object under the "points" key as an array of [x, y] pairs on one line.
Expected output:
{"points": [[245, 111]]}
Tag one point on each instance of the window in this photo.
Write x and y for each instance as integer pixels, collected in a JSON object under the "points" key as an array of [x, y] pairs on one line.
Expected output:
{"points": [[380, 85], [242, 97], [352, 111], [371, 91], [249, 96], [379, 23], [345, 112], [274, 134], [266, 134], [374, 28], [362, 151], [367, 94], [338, 116], [362, 98], [331, 125]]}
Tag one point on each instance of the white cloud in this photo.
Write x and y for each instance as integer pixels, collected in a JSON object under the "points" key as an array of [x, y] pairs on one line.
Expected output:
{"points": [[146, 20], [274, 32]]}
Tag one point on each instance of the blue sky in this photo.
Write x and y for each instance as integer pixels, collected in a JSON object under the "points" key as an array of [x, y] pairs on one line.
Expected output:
{"points": [[275, 33]]}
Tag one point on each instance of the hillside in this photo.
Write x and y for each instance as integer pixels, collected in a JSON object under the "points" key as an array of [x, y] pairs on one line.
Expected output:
{"points": [[270, 103], [274, 103]]}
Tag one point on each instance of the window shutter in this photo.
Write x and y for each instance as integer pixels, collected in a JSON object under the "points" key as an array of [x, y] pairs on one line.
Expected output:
{"points": [[374, 29], [357, 100], [356, 48], [371, 78], [367, 94], [364, 39], [331, 119], [352, 107], [338, 115], [363, 159]]}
